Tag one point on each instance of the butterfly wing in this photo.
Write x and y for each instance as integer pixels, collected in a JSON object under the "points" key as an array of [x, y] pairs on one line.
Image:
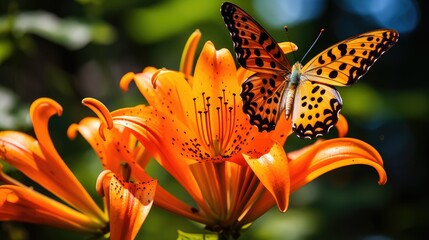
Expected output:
{"points": [[262, 95], [346, 62], [317, 103], [315, 109], [255, 49]]}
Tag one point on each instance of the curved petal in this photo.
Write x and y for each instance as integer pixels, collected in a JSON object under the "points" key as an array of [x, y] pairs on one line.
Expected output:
{"points": [[342, 126], [273, 171], [23, 152], [39, 160], [331, 154], [26, 205], [188, 55], [125, 81], [98, 108], [129, 203], [288, 47], [41, 111]]}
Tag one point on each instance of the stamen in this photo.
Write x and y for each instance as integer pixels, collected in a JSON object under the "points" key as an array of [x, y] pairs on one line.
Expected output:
{"points": [[219, 119], [125, 170], [216, 141], [228, 131], [100, 110], [203, 125], [208, 123], [6, 179], [222, 121]]}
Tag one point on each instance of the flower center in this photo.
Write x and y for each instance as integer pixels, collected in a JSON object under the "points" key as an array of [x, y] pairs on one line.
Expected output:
{"points": [[215, 124]]}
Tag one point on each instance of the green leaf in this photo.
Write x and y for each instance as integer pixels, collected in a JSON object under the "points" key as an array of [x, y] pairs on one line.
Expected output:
{"points": [[195, 236]]}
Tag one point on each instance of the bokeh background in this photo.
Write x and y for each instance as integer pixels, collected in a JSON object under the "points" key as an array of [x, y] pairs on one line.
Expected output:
{"points": [[68, 50]]}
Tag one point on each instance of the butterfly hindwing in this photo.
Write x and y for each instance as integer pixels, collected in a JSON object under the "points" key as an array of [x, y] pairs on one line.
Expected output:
{"points": [[262, 94], [346, 62], [255, 49], [316, 108]]}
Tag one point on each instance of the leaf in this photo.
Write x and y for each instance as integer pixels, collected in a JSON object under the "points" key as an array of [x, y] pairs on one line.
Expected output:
{"points": [[195, 236]]}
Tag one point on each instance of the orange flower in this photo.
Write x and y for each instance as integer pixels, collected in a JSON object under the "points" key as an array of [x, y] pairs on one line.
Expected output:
{"points": [[195, 128], [128, 203], [39, 160]]}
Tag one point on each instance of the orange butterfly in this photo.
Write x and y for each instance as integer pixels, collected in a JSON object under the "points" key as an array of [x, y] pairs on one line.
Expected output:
{"points": [[305, 93]]}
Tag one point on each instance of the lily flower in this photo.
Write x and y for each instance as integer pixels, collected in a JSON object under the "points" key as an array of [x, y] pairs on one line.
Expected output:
{"points": [[126, 203], [39, 160], [195, 129]]}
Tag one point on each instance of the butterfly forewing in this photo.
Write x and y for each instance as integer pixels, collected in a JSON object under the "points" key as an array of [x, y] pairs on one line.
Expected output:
{"points": [[345, 62], [262, 94], [315, 110], [255, 49]]}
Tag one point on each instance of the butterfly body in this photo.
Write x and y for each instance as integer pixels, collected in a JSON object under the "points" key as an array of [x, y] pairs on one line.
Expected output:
{"points": [[305, 94], [294, 79]]}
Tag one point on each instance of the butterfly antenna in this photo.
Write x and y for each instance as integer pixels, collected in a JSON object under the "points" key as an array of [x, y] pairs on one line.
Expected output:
{"points": [[287, 38], [312, 45]]}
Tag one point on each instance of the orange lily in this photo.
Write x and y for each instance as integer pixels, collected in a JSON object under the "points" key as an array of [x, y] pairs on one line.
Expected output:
{"points": [[39, 160], [128, 203], [195, 128]]}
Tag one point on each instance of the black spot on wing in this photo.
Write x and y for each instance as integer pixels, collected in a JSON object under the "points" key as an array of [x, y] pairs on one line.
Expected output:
{"points": [[228, 10], [320, 128], [262, 115], [388, 40]]}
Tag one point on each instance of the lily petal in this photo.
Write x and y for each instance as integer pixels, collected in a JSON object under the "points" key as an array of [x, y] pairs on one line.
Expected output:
{"points": [[129, 203], [24, 204], [168, 92], [288, 47], [342, 126], [215, 72], [188, 55], [331, 154], [273, 171]]}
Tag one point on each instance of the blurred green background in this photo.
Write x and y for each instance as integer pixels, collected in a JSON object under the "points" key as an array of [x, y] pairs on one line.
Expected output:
{"points": [[68, 50]]}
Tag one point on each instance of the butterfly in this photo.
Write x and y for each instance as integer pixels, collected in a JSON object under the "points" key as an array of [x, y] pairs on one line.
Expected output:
{"points": [[306, 94]]}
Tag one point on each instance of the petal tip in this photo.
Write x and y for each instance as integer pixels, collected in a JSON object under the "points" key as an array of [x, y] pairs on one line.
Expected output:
{"points": [[126, 80]]}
